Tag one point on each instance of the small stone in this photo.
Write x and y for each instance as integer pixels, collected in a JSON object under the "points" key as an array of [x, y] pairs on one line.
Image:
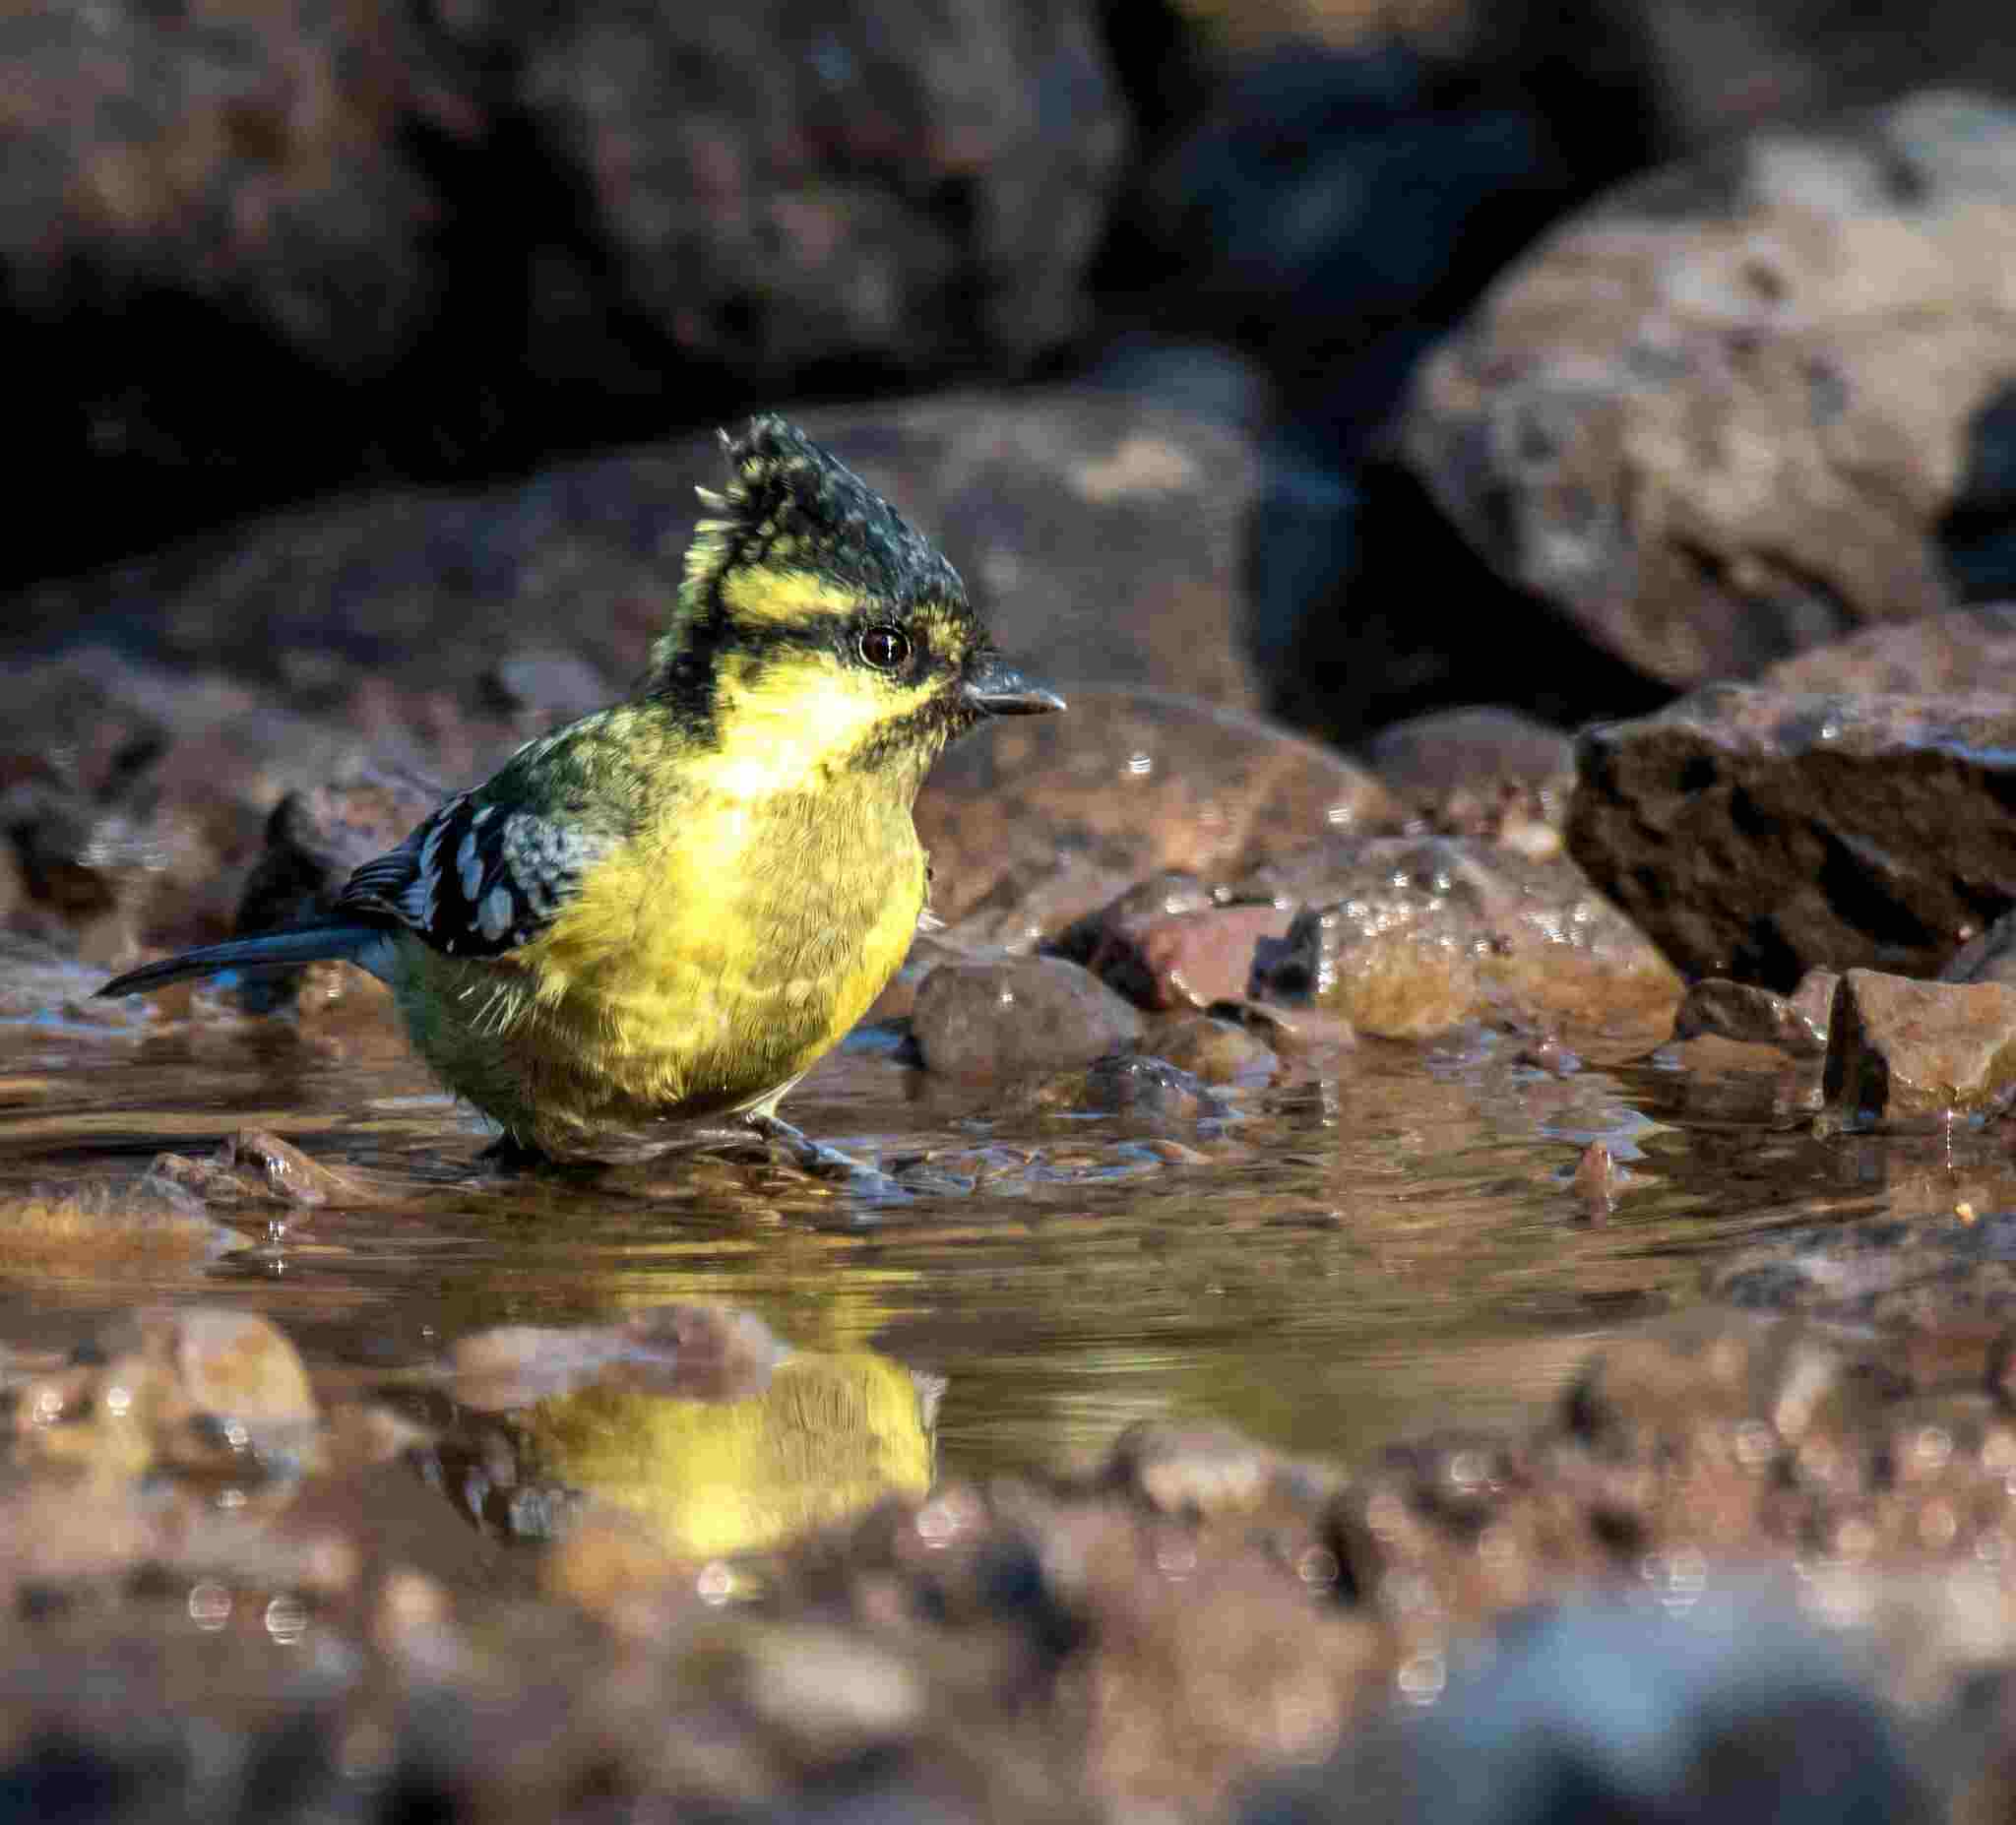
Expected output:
{"points": [[1018, 1017], [1189, 959], [1218, 1052], [257, 1168], [1754, 1016], [1911, 1053], [1598, 1180], [1131, 1085]]}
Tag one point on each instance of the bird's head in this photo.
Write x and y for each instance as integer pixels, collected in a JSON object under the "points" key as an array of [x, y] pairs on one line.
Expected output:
{"points": [[818, 632]]}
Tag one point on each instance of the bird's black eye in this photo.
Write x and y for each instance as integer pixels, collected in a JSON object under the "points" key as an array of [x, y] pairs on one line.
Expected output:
{"points": [[885, 647]]}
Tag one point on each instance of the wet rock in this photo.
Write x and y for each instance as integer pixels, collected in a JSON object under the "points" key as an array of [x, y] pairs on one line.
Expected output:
{"points": [[1018, 1017], [1127, 785], [1129, 1086], [259, 1169], [1218, 1052], [1756, 834], [1754, 1016], [1426, 933], [1901, 1052], [1740, 406], [1104, 940]]}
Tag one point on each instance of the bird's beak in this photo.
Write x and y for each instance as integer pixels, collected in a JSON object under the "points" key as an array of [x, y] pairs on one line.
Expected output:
{"points": [[995, 687]]}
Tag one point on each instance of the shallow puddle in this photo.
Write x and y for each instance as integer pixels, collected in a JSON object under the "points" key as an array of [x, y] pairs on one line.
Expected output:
{"points": [[1327, 1264]]}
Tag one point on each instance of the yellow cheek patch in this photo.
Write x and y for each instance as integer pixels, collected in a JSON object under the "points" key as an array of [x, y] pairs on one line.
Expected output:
{"points": [[783, 723], [763, 597]]}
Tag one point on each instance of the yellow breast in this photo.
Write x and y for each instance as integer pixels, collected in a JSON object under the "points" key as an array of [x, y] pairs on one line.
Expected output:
{"points": [[707, 963]]}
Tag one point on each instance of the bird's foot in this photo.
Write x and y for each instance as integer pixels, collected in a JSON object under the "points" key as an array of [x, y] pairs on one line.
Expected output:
{"points": [[821, 1161], [508, 1155]]}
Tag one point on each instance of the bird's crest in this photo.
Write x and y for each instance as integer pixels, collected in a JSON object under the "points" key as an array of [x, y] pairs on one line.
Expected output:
{"points": [[794, 510]]}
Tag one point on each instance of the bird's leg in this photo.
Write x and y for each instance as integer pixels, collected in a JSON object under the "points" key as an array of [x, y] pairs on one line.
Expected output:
{"points": [[814, 1156]]}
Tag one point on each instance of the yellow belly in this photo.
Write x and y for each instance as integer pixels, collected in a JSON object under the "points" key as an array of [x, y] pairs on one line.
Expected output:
{"points": [[710, 962]]}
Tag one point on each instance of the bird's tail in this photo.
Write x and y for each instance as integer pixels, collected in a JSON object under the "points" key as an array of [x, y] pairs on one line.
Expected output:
{"points": [[369, 947]]}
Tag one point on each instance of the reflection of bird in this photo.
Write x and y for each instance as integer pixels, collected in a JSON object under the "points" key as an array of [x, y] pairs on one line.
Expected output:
{"points": [[829, 1436], [673, 907]]}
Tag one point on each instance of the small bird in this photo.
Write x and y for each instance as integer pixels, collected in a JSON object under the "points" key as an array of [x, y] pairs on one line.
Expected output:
{"points": [[674, 906]]}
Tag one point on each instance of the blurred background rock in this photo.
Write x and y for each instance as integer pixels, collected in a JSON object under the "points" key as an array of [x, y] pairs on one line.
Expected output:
{"points": [[1340, 361]]}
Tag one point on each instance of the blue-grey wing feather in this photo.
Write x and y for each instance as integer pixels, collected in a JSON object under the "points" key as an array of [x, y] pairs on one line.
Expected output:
{"points": [[477, 879]]}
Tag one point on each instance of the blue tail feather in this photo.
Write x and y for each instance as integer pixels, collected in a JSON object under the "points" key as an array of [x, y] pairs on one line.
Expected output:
{"points": [[366, 946]]}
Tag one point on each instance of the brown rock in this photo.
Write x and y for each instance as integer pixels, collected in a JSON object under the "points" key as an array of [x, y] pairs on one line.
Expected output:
{"points": [[1428, 932], [1017, 1017], [1128, 783], [1756, 834], [1902, 1053], [1722, 416]]}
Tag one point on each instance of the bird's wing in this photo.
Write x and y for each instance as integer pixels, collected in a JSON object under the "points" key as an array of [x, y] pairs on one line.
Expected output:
{"points": [[477, 879]]}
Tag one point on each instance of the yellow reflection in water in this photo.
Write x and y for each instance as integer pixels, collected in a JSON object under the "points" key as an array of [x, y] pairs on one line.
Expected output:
{"points": [[832, 1435]]}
